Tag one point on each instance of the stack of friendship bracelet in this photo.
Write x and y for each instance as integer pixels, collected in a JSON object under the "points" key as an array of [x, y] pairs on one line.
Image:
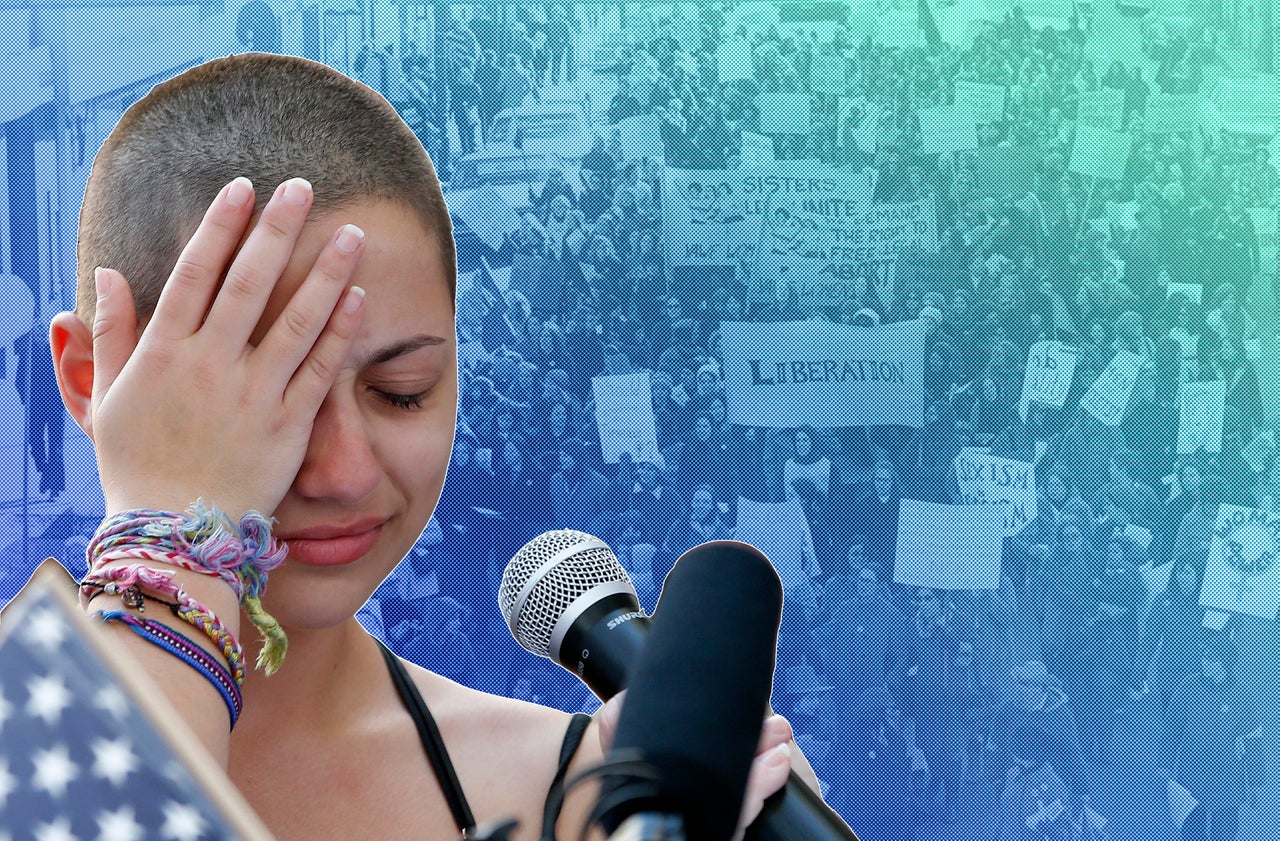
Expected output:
{"points": [[205, 541]]}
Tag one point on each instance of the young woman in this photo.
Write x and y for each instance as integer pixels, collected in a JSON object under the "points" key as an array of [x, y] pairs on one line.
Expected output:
{"points": [[293, 353]]}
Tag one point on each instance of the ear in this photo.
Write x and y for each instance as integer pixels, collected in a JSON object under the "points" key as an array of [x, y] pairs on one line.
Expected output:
{"points": [[71, 341]]}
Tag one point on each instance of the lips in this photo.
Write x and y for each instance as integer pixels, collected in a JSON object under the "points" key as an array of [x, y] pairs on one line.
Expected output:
{"points": [[333, 545]]}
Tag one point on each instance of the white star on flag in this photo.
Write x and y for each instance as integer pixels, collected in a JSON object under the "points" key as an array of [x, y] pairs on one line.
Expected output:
{"points": [[181, 822], [54, 770], [113, 760], [8, 783], [49, 696], [57, 830], [45, 629], [120, 825]]}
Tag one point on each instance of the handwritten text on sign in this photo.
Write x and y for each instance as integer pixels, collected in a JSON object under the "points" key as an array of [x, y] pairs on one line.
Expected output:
{"points": [[983, 477]]}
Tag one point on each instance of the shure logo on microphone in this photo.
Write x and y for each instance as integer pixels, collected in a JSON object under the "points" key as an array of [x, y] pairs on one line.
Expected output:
{"points": [[626, 617]]}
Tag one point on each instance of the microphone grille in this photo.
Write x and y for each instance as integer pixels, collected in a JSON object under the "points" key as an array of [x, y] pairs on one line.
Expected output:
{"points": [[546, 576]]}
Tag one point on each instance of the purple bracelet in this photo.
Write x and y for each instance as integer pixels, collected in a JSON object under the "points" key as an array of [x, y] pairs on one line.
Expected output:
{"points": [[186, 650]]}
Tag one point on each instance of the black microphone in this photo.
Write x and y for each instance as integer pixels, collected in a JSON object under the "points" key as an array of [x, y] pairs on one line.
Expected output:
{"points": [[566, 597], [698, 693]]}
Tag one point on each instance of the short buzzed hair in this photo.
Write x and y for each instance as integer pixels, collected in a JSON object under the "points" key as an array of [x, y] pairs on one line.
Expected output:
{"points": [[266, 117]]}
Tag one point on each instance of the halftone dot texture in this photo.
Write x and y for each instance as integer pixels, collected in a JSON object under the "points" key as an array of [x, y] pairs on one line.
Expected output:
{"points": [[1101, 175]]}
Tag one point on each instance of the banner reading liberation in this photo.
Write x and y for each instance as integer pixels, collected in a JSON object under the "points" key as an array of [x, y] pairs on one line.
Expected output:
{"points": [[825, 375]]}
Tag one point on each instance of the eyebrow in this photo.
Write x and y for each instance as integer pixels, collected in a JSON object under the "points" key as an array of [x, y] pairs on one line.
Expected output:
{"points": [[398, 349]]}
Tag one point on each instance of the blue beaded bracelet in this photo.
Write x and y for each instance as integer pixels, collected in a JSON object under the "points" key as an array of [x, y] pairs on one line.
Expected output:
{"points": [[186, 650]]}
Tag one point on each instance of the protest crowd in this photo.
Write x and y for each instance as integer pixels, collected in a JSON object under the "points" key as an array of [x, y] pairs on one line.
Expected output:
{"points": [[1082, 252]]}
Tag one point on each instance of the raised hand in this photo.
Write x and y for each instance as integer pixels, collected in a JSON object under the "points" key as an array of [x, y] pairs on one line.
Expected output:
{"points": [[192, 409]]}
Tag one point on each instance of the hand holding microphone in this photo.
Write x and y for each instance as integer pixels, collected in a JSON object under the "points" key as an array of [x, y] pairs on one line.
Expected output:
{"points": [[566, 597]]}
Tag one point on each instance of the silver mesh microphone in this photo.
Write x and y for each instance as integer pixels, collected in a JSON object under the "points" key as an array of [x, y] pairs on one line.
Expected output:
{"points": [[566, 596]]}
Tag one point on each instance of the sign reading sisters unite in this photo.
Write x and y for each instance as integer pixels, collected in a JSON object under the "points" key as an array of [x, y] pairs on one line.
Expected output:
{"points": [[1243, 571], [791, 374]]}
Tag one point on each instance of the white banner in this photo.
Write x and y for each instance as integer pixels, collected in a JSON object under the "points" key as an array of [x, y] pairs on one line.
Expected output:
{"points": [[781, 531], [624, 416], [733, 62], [1200, 412], [1050, 368], [785, 375], [1010, 484], [1243, 571], [1108, 398], [949, 547], [487, 214]]}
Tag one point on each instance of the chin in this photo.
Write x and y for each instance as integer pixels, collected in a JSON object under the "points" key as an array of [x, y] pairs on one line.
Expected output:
{"points": [[314, 598]]}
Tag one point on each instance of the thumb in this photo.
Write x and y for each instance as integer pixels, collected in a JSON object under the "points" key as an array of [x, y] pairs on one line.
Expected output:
{"points": [[607, 718], [115, 329]]}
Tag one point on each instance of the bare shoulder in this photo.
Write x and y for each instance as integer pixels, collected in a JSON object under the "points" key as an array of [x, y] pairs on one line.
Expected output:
{"points": [[505, 751]]}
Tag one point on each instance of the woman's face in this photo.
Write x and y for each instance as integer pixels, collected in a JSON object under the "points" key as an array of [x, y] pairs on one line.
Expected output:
{"points": [[381, 440]]}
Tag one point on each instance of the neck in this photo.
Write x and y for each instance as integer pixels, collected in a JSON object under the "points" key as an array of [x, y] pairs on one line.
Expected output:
{"points": [[322, 683]]}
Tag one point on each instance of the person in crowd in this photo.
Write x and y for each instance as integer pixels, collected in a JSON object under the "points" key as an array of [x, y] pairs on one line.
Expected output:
{"points": [[292, 391]]}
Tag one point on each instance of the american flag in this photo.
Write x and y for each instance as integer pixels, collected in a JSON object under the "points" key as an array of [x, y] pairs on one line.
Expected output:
{"points": [[79, 761]]}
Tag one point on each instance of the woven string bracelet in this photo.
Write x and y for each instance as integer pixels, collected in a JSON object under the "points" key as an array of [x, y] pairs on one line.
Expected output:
{"points": [[128, 582], [205, 541]]}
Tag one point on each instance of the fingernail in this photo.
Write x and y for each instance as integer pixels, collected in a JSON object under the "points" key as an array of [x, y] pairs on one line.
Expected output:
{"points": [[102, 282], [781, 726], [779, 756], [296, 191], [240, 192], [353, 299], [349, 238]]}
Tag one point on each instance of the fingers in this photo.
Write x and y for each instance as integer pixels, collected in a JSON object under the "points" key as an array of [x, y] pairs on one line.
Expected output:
{"points": [[185, 299], [297, 332], [316, 374], [769, 773], [258, 264], [607, 716], [115, 329]]}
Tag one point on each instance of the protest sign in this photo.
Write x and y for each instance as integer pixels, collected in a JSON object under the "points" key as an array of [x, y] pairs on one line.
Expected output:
{"points": [[983, 101], [1200, 413], [1108, 398], [1243, 571], [1050, 369], [624, 417], [781, 531], [1103, 108], [757, 151], [1099, 152], [784, 375], [487, 214], [1009, 484], [949, 547], [717, 217], [783, 113], [947, 128], [1248, 103], [733, 61]]}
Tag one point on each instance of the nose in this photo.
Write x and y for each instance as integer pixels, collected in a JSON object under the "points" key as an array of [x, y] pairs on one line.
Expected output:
{"points": [[340, 465]]}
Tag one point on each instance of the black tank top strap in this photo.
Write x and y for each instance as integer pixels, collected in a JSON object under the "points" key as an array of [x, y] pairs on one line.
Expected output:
{"points": [[555, 795], [432, 743]]}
